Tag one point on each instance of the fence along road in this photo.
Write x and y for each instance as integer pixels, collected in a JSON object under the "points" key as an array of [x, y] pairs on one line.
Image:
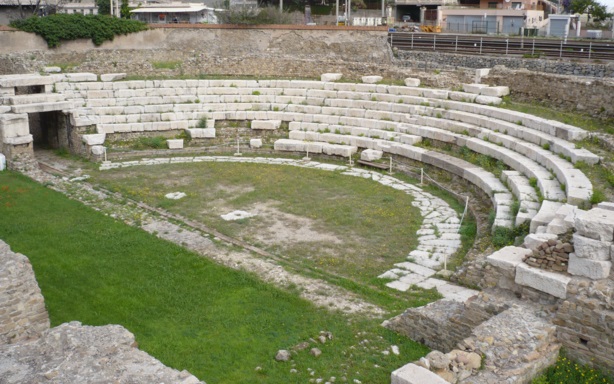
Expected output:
{"points": [[517, 46]]}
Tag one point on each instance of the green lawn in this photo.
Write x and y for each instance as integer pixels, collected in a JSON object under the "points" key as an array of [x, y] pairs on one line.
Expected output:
{"points": [[190, 313]]}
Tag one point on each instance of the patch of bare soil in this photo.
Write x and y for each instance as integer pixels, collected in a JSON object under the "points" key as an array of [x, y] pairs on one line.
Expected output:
{"points": [[317, 291], [283, 228]]}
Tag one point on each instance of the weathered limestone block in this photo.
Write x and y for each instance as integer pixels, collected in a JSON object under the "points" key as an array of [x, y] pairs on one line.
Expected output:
{"points": [[593, 269], [488, 100], [462, 96], [474, 88], [35, 98], [97, 150], [371, 154], [19, 140], [289, 145], [552, 283], [255, 143], [112, 76], [412, 82], [508, 258], [266, 124], [42, 107], [13, 125], [339, 150], [606, 205], [201, 133], [495, 91], [8, 81], [371, 79], [596, 224], [557, 226], [479, 73], [587, 248], [52, 69], [94, 139], [534, 240], [414, 374], [79, 77], [174, 143], [545, 215], [331, 77]]}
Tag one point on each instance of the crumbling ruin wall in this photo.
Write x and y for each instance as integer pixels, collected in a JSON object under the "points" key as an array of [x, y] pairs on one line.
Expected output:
{"points": [[23, 315], [570, 93]]}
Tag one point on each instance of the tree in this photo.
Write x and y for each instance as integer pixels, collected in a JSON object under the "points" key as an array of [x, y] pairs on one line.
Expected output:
{"points": [[125, 10], [594, 10]]}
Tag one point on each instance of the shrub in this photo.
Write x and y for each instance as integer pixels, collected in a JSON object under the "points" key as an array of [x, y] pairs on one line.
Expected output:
{"points": [[202, 123], [58, 27], [503, 236]]}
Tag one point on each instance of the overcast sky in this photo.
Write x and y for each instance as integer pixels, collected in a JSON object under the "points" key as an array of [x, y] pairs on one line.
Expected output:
{"points": [[608, 3]]}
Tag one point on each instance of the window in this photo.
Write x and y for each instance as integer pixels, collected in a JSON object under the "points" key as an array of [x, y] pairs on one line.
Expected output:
{"points": [[516, 5], [492, 4]]}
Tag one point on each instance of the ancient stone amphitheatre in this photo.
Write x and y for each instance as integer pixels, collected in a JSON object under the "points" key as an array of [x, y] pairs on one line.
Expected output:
{"points": [[504, 314]]}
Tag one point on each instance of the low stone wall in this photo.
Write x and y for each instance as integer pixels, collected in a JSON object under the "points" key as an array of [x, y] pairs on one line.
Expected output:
{"points": [[593, 96], [436, 60]]}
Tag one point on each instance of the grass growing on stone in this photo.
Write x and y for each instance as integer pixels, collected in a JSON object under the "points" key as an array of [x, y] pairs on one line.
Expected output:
{"points": [[326, 221], [190, 313]]}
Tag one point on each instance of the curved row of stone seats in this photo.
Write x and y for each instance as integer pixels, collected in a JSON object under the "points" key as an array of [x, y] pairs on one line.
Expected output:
{"points": [[577, 186], [349, 99], [314, 147], [556, 145], [550, 188], [524, 192], [336, 90], [516, 129], [500, 196], [348, 133], [526, 195], [321, 100]]}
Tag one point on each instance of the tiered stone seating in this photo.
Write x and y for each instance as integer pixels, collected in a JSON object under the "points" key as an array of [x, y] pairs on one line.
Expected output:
{"points": [[341, 118]]}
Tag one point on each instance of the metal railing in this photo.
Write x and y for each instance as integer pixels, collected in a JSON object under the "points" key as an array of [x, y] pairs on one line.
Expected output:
{"points": [[530, 47]]}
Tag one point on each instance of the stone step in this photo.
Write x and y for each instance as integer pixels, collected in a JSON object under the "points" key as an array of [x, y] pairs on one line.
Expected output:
{"points": [[42, 107], [34, 98], [11, 81]]}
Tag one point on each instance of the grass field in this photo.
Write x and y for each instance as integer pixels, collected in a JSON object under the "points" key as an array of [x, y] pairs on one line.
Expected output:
{"points": [[324, 220], [188, 312]]}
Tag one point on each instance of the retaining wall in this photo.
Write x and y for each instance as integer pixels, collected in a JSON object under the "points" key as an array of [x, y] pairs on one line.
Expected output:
{"points": [[439, 60]]}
